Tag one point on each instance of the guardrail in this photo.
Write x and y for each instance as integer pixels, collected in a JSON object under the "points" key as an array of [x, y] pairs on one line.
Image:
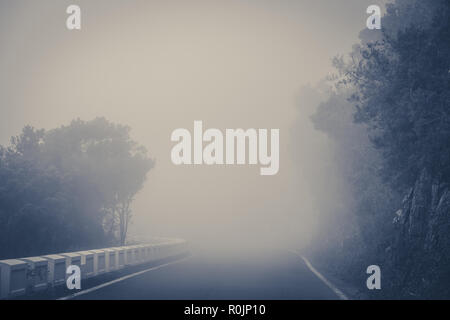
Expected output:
{"points": [[34, 274]]}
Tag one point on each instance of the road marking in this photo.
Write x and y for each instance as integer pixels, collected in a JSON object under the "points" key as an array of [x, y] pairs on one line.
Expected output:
{"points": [[338, 292], [82, 292]]}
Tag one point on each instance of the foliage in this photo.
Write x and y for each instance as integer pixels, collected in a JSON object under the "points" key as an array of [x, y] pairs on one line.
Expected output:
{"points": [[66, 188], [389, 119], [403, 94]]}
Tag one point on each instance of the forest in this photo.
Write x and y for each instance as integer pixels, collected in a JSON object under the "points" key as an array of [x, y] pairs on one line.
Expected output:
{"points": [[387, 113]]}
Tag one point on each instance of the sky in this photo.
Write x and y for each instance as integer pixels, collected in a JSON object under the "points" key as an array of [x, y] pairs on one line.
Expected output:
{"points": [[158, 66]]}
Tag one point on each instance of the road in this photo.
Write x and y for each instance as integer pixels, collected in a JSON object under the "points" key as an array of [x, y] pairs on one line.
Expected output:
{"points": [[280, 275]]}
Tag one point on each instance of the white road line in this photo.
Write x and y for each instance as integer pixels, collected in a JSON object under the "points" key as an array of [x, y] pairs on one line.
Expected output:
{"points": [[338, 292], [79, 293]]}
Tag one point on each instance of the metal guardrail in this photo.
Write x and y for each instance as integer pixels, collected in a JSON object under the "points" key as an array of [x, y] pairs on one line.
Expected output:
{"points": [[34, 274]]}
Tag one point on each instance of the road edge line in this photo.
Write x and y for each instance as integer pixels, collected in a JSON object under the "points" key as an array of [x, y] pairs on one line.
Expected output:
{"points": [[338, 292], [100, 286]]}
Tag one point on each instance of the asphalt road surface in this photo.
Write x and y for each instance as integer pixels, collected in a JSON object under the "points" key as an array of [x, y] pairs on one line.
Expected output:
{"points": [[280, 275]]}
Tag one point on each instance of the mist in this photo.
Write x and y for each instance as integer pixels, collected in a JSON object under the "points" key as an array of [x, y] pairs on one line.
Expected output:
{"points": [[157, 66]]}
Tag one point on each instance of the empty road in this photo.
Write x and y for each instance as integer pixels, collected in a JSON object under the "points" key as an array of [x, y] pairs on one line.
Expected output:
{"points": [[278, 275]]}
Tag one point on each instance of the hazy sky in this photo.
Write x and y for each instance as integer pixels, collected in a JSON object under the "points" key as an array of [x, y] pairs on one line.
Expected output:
{"points": [[160, 65]]}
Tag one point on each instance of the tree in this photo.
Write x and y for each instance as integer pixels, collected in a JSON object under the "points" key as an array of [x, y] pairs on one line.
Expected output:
{"points": [[68, 188], [403, 94], [400, 84], [104, 153]]}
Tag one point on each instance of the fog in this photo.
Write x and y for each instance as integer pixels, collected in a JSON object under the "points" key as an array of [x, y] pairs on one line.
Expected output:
{"points": [[158, 66]]}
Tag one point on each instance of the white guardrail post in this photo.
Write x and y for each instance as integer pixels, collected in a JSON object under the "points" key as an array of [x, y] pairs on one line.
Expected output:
{"points": [[121, 258], [37, 275], [143, 252], [87, 264], [13, 278], [128, 254], [136, 254], [110, 259], [33, 274], [72, 258], [56, 268], [99, 261]]}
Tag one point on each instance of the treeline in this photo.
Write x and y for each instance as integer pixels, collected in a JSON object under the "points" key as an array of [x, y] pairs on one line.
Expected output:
{"points": [[388, 116], [68, 188]]}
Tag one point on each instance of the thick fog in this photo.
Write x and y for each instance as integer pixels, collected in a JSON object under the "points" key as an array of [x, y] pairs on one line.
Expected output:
{"points": [[158, 66]]}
